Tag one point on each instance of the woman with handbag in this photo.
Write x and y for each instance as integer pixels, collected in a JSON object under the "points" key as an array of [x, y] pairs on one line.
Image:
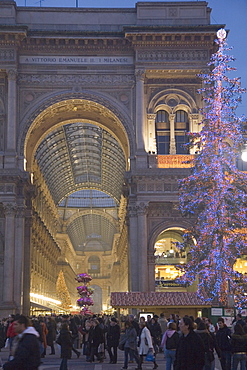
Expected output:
{"points": [[146, 345], [169, 343], [130, 345]]}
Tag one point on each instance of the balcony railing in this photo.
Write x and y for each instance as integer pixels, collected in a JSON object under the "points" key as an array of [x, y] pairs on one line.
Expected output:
{"points": [[98, 275], [170, 260]]}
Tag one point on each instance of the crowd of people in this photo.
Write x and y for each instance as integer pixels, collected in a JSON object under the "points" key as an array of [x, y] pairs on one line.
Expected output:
{"points": [[187, 344]]}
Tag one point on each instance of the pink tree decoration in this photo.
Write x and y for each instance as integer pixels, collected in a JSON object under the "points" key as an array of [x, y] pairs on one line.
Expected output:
{"points": [[84, 291]]}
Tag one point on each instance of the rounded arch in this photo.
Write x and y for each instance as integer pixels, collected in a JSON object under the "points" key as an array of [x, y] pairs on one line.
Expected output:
{"points": [[179, 224], [57, 110], [98, 212], [171, 99], [97, 298]]}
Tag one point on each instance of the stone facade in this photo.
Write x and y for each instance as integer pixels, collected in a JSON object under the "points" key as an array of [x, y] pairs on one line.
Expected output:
{"points": [[113, 69]]}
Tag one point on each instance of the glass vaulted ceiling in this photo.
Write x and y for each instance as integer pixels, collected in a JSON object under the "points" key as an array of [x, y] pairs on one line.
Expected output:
{"points": [[83, 166]]}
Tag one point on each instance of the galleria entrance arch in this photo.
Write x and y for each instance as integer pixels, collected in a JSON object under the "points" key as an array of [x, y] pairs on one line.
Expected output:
{"points": [[92, 120]]}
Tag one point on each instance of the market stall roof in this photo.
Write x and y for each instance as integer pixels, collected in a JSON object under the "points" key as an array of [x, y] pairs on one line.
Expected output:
{"points": [[154, 299]]}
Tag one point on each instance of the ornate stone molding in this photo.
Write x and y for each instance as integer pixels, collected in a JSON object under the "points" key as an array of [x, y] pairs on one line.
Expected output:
{"points": [[71, 80], [172, 55], [7, 55]]}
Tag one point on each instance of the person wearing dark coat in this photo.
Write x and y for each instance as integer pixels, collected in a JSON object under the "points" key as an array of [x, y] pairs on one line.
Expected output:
{"points": [[208, 344], [96, 338], [65, 341], [223, 338], [27, 351], [239, 347], [51, 336], [190, 349], [156, 333], [130, 345], [74, 333], [112, 339]]}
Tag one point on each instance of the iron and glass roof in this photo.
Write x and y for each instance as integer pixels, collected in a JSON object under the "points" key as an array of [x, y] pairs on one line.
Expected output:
{"points": [[81, 155], [83, 166]]}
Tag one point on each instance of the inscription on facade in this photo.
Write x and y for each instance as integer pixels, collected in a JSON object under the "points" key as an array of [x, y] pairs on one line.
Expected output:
{"points": [[110, 60]]}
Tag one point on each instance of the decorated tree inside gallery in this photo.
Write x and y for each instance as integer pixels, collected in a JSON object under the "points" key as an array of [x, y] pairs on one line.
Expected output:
{"points": [[215, 193], [84, 292], [63, 292]]}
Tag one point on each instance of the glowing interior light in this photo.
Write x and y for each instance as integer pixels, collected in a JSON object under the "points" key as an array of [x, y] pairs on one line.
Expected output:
{"points": [[47, 299]]}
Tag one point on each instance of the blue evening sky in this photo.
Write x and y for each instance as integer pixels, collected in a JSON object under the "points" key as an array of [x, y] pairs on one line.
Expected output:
{"points": [[233, 13]]}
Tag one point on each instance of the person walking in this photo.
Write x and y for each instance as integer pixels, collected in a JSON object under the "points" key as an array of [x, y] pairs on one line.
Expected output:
{"points": [[64, 339], [190, 349], [239, 347], [223, 338], [169, 344], [96, 338], [208, 343], [112, 339], [130, 345], [26, 355], [51, 335], [145, 343], [156, 333], [74, 334]]}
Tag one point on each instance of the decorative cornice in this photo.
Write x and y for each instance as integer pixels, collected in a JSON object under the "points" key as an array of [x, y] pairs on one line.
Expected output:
{"points": [[174, 55], [72, 79], [69, 43]]}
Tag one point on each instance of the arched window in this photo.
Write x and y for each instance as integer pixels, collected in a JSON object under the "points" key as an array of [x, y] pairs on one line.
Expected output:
{"points": [[93, 265], [181, 130], [162, 128]]}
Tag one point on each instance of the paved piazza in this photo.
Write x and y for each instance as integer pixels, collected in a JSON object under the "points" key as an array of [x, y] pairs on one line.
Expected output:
{"points": [[53, 362]]}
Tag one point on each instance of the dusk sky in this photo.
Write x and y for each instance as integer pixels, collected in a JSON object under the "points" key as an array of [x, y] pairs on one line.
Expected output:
{"points": [[232, 13]]}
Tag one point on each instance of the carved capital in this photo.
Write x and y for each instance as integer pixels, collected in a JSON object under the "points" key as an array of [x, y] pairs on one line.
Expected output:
{"points": [[12, 74], [142, 208], [10, 209], [140, 74], [151, 117], [20, 211], [132, 210]]}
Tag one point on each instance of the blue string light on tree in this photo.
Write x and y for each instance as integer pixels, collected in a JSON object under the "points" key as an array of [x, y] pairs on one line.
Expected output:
{"points": [[215, 194]]}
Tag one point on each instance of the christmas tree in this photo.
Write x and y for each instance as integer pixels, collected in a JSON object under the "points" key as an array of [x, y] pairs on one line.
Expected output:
{"points": [[215, 193], [63, 292]]}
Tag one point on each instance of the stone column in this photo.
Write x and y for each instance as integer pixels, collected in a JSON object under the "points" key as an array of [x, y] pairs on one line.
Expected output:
{"points": [[151, 134], [11, 121], [142, 246], [9, 256], [172, 134], [133, 248], [193, 127], [140, 117], [10, 157], [19, 257], [27, 265]]}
